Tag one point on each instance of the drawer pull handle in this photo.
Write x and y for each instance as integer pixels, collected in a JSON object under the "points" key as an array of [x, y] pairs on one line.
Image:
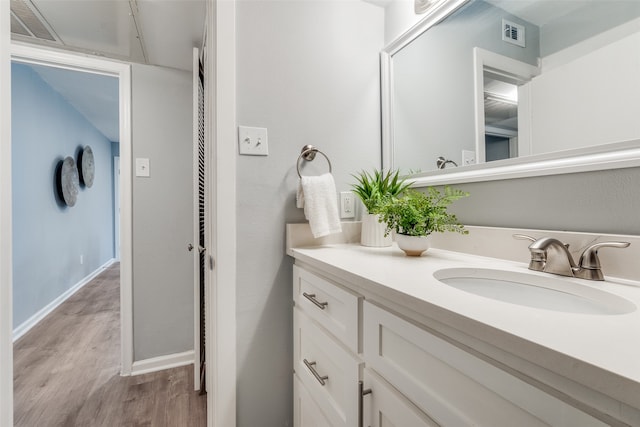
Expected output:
{"points": [[361, 393], [312, 298], [322, 380]]}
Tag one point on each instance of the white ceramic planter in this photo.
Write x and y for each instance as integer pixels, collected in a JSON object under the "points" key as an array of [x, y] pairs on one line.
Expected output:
{"points": [[373, 232], [412, 245]]}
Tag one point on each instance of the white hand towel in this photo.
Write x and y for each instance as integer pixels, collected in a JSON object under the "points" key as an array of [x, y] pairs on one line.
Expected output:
{"points": [[318, 196]]}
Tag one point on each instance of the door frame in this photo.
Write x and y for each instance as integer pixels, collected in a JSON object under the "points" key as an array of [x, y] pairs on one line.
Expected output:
{"points": [[6, 267], [220, 276], [30, 54]]}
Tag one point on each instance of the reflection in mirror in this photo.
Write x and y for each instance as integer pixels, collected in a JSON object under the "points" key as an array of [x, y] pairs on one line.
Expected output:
{"points": [[502, 79], [500, 118]]}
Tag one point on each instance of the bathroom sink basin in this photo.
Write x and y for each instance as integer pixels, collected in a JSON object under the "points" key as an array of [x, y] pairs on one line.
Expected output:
{"points": [[530, 290]]}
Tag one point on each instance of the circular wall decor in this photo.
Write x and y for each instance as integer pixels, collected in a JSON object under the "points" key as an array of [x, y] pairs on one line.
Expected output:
{"points": [[68, 181], [86, 166]]}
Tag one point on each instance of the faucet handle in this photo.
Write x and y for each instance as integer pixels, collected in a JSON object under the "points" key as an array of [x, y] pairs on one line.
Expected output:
{"points": [[589, 264], [524, 237], [589, 258]]}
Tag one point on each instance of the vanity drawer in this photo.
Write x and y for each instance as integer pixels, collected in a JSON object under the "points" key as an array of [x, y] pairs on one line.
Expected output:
{"points": [[327, 369], [335, 308], [455, 387]]}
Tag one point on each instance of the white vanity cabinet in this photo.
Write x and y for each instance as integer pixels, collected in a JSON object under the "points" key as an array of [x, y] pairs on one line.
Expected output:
{"points": [[418, 377]]}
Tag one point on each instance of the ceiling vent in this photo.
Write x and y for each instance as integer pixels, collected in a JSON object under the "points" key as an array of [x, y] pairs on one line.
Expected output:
{"points": [[513, 33], [28, 22]]}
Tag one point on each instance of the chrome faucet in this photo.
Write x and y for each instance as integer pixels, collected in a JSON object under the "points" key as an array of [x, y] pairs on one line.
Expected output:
{"points": [[552, 256]]}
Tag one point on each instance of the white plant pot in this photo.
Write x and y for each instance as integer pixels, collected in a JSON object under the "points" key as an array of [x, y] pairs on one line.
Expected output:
{"points": [[412, 245], [373, 232]]}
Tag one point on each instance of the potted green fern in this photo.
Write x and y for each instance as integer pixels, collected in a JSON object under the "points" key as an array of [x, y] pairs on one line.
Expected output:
{"points": [[416, 215], [373, 189]]}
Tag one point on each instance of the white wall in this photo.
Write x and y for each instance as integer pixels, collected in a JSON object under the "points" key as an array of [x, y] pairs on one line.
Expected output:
{"points": [[309, 72], [399, 16], [162, 212], [565, 115]]}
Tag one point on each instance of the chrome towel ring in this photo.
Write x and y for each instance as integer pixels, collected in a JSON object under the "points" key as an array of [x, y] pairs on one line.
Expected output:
{"points": [[308, 153]]}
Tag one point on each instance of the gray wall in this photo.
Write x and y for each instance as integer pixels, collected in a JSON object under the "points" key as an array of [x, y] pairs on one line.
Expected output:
{"points": [[162, 212], [309, 72], [49, 237], [599, 202]]}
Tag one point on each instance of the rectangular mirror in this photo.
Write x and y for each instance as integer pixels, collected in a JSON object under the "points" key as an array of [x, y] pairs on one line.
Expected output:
{"points": [[495, 89]]}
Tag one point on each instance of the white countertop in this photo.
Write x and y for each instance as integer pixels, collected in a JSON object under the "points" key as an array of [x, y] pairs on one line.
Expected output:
{"points": [[601, 352]]}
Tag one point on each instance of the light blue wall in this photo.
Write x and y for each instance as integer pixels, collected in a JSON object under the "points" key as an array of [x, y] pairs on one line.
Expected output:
{"points": [[48, 237]]}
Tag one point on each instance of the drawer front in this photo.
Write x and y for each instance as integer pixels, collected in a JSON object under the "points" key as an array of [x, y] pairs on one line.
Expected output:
{"points": [[327, 370], [333, 307], [306, 413], [453, 386]]}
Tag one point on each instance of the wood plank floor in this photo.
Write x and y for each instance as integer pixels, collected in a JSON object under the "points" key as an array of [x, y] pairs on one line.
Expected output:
{"points": [[66, 371]]}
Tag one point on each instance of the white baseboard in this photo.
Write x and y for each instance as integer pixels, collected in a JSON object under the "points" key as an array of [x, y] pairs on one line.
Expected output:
{"points": [[26, 326], [161, 363]]}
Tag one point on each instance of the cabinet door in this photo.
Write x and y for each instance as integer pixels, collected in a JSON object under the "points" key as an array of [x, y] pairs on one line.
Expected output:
{"points": [[385, 407], [306, 412], [453, 386]]}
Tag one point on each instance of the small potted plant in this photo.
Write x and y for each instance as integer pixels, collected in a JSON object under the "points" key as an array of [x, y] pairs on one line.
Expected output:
{"points": [[373, 189], [416, 215]]}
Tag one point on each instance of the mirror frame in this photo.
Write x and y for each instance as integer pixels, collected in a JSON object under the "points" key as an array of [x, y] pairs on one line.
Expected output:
{"points": [[615, 155]]}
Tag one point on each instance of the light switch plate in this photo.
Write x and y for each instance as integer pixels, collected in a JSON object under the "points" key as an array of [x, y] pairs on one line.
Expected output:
{"points": [[253, 141], [142, 167]]}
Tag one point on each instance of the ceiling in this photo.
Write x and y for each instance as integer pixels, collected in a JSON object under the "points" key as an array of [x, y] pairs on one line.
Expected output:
{"points": [[95, 96], [539, 12], [155, 32]]}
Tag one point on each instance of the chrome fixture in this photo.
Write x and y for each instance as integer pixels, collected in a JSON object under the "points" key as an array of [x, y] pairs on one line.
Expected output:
{"points": [[308, 153], [552, 256], [441, 162]]}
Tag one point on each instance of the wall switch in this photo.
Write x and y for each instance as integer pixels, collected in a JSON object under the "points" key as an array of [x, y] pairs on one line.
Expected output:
{"points": [[253, 141], [468, 157], [347, 204], [142, 167], [81, 259]]}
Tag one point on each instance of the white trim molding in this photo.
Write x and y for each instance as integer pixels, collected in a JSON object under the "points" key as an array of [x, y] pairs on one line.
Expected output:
{"points": [[161, 363], [32, 321], [57, 58], [602, 157], [6, 263], [220, 117]]}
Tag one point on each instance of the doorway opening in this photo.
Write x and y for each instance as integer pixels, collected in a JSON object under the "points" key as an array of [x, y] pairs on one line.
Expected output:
{"points": [[34, 56]]}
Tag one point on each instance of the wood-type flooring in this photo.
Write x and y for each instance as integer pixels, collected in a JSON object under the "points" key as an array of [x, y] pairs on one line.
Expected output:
{"points": [[66, 371]]}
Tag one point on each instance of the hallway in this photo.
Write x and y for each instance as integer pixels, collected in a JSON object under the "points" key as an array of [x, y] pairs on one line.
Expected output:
{"points": [[66, 371]]}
